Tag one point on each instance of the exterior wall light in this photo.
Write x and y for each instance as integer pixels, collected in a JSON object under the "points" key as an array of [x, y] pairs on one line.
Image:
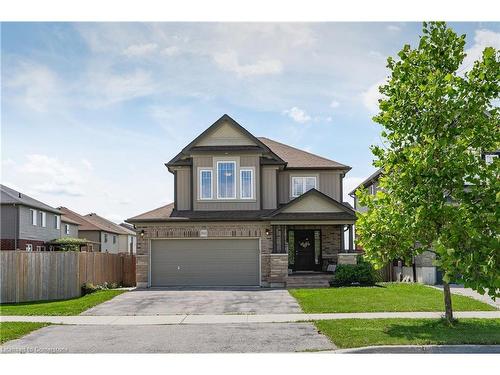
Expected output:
{"points": [[268, 231], [142, 233]]}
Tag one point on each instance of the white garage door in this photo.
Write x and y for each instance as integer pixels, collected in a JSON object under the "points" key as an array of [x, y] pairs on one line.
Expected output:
{"points": [[205, 262]]}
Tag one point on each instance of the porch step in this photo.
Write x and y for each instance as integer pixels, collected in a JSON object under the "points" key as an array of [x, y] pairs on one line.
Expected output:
{"points": [[320, 280]]}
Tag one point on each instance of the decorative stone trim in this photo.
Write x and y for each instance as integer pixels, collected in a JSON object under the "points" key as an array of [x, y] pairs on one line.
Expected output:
{"points": [[347, 258]]}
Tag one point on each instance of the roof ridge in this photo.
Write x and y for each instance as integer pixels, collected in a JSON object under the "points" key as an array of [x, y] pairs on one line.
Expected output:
{"points": [[81, 217], [299, 149], [109, 222]]}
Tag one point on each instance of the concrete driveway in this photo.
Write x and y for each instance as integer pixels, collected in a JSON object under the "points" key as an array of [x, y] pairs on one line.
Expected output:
{"points": [[203, 338], [199, 301]]}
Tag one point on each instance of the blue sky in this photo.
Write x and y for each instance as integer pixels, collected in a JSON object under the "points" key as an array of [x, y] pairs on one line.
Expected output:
{"points": [[91, 111]]}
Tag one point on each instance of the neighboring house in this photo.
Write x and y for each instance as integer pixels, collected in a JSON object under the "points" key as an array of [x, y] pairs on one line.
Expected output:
{"points": [[69, 228], [246, 211], [26, 223], [129, 241], [119, 241], [425, 271]]}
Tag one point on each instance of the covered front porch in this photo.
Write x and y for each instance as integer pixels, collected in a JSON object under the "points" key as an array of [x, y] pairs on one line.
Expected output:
{"points": [[313, 247]]}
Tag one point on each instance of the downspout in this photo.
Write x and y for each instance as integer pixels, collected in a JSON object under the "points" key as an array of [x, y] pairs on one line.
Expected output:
{"points": [[16, 235]]}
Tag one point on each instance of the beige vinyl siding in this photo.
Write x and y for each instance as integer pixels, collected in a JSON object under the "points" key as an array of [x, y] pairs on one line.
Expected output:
{"points": [[225, 134], [328, 183], [209, 162], [183, 188], [269, 185]]}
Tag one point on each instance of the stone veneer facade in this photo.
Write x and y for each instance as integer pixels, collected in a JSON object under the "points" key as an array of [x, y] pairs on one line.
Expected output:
{"points": [[274, 267]]}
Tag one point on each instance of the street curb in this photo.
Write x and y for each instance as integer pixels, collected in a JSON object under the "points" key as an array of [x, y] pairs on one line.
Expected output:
{"points": [[423, 349]]}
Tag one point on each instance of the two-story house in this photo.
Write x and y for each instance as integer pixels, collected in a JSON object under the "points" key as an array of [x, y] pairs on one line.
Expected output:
{"points": [[102, 235], [246, 211], [26, 223]]}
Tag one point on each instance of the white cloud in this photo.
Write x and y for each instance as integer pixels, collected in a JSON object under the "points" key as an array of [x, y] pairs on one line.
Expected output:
{"points": [[371, 96], [139, 50], [87, 164], [35, 86], [106, 88], [393, 28], [482, 38], [297, 115], [170, 51], [229, 61], [334, 104], [54, 176]]}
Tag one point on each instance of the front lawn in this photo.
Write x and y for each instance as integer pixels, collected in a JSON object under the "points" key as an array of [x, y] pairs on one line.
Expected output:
{"points": [[73, 306], [354, 333], [14, 330], [381, 298]]}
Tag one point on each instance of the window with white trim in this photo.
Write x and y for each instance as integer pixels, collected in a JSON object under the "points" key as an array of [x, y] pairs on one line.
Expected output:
{"points": [[489, 158], [105, 237], [29, 247], [206, 184], [114, 239], [33, 218], [302, 184], [43, 219], [57, 220], [66, 228], [226, 180], [246, 183]]}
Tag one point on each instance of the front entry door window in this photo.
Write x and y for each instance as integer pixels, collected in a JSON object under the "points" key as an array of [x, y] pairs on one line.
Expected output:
{"points": [[304, 250]]}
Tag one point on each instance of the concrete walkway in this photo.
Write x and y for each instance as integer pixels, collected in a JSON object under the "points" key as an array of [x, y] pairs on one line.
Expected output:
{"points": [[468, 292], [243, 318]]}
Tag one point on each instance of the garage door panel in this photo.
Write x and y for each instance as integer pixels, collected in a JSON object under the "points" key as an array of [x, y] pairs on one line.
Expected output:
{"points": [[204, 262]]}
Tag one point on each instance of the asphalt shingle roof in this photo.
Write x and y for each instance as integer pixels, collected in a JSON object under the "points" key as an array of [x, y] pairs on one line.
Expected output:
{"points": [[11, 196], [297, 158]]}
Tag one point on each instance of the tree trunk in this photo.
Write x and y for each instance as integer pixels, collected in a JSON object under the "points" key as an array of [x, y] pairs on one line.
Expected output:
{"points": [[447, 303]]}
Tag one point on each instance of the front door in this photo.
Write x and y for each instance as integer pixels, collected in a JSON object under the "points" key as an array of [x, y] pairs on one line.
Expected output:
{"points": [[304, 250]]}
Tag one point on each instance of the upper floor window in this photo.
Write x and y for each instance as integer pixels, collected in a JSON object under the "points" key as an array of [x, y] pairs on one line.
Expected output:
{"points": [[66, 228], [33, 216], [246, 183], [114, 239], [226, 180], [105, 237], [302, 184], [43, 219], [489, 158], [206, 184], [57, 221]]}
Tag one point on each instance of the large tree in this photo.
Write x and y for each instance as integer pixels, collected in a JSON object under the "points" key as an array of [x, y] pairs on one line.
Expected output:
{"points": [[436, 192]]}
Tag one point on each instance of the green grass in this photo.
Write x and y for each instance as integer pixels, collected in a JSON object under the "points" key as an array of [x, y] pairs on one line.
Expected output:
{"points": [[73, 306], [354, 333], [384, 297], [14, 330]]}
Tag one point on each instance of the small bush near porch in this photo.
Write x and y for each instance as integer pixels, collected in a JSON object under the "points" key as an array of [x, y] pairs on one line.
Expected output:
{"points": [[381, 298], [353, 333]]}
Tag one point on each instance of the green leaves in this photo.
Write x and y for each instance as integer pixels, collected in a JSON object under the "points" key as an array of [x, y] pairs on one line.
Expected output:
{"points": [[436, 121]]}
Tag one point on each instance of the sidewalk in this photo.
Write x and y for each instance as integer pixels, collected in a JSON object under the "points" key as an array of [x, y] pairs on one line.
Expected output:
{"points": [[225, 319]]}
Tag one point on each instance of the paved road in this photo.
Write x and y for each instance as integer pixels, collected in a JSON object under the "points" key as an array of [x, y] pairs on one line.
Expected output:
{"points": [[229, 338], [199, 301]]}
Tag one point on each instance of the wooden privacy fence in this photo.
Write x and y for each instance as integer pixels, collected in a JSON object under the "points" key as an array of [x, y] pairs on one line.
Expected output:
{"points": [[35, 276]]}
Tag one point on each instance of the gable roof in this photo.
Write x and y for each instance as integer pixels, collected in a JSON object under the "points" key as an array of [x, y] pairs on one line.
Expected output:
{"points": [[300, 159], [178, 159], [107, 225], [345, 211], [368, 181], [66, 219], [83, 223], [11, 196]]}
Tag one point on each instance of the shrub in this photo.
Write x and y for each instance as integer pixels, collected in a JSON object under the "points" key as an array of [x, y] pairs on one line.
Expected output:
{"points": [[361, 274], [88, 288], [69, 243]]}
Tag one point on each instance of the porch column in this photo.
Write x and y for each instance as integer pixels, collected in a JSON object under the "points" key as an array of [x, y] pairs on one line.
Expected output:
{"points": [[351, 240]]}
